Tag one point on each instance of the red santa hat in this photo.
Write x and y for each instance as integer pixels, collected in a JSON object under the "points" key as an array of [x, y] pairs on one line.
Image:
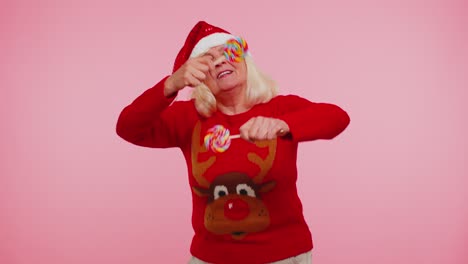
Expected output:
{"points": [[201, 38]]}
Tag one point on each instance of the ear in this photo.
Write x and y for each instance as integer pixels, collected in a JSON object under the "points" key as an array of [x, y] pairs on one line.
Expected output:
{"points": [[267, 186], [200, 191]]}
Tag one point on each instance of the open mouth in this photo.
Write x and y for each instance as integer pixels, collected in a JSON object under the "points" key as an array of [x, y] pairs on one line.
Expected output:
{"points": [[223, 74]]}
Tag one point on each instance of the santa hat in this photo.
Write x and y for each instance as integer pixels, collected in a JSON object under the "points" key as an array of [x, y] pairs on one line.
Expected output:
{"points": [[201, 38]]}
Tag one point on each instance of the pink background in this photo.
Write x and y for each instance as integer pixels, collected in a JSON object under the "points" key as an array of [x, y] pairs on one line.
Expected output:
{"points": [[391, 189]]}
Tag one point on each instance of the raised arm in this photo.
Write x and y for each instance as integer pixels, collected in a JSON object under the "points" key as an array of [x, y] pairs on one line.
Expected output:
{"points": [[149, 121]]}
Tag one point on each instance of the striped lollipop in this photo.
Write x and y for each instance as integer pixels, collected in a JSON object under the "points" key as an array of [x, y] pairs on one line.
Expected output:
{"points": [[218, 138], [235, 49]]}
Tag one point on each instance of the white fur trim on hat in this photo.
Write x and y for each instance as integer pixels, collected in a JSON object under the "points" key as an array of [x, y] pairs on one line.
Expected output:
{"points": [[210, 41]]}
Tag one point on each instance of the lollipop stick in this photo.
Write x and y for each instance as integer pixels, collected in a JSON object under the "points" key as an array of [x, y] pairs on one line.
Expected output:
{"points": [[234, 136]]}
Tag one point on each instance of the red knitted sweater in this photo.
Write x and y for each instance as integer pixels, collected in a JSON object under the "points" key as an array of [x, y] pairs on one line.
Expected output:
{"points": [[245, 203]]}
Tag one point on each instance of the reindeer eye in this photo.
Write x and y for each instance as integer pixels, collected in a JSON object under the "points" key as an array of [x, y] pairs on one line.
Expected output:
{"points": [[220, 191], [244, 189]]}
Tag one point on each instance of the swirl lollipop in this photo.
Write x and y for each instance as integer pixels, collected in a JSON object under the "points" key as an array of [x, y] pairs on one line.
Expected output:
{"points": [[235, 50], [218, 138]]}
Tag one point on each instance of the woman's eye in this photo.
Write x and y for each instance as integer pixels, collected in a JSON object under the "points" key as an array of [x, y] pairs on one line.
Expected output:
{"points": [[220, 191], [209, 56], [244, 189]]}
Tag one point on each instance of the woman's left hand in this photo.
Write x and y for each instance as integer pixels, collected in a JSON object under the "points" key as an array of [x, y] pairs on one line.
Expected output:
{"points": [[263, 128]]}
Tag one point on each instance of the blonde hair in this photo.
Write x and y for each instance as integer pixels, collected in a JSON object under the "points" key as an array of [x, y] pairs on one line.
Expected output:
{"points": [[260, 89]]}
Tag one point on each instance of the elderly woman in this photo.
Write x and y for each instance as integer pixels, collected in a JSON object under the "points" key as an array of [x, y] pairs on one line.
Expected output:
{"points": [[239, 139]]}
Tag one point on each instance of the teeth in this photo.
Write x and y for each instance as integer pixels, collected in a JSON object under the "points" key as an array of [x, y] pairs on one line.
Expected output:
{"points": [[223, 73]]}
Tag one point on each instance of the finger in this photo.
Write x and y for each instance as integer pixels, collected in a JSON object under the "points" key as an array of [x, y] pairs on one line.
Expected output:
{"points": [[206, 61], [200, 64], [211, 65], [191, 81], [203, 65], [280, 132], [244, 130], [283, 128], [201, 76], [263, 134], [273, 127], [256, 130], [272, 132], [276, 127], [264, 129], [209, 62]]}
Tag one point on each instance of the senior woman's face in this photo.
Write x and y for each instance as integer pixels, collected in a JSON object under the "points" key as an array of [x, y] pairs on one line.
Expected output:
{"points": [[226, 75]]}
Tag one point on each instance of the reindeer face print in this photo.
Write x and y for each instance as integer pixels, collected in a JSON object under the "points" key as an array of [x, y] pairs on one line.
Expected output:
{"points": [[234, 204]]}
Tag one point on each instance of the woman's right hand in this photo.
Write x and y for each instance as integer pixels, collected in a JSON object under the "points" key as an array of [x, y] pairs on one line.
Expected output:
{"points": [[192, 73]]}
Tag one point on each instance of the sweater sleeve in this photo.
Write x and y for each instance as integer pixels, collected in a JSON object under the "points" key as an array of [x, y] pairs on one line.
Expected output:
{"points": [[310, 121], [151, 121]]}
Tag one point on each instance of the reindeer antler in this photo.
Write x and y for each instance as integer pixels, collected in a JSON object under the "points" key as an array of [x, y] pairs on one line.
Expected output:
{"points": [[264, 164], [199, 168]]}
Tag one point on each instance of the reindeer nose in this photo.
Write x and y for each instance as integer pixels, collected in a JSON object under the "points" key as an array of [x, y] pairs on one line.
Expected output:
{"points": [[236, 209]]}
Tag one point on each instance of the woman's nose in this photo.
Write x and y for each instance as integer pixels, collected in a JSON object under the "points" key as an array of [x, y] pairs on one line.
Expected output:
{"points": [[220, 61]]}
